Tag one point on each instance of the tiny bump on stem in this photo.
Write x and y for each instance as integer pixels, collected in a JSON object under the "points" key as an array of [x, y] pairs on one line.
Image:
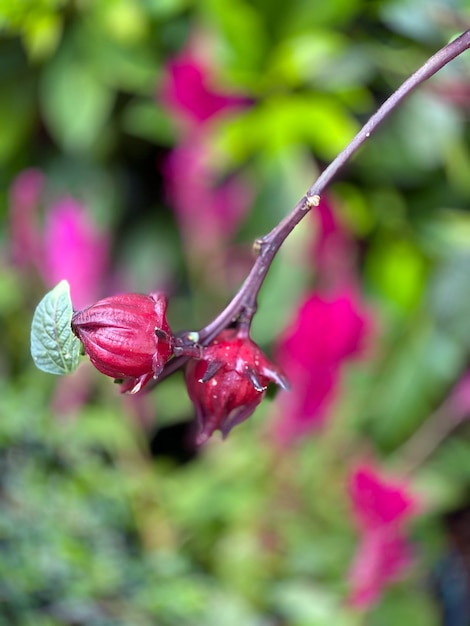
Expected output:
{"points": [[311, 201], [258, 246]]}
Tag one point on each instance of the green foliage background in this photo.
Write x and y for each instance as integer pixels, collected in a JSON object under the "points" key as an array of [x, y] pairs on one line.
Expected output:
{"points": [[96, 530]]}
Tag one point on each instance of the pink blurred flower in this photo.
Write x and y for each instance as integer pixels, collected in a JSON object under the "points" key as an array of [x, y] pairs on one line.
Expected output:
{"points": [[459, 399], [66, 245], [74, 249], [327, 331], [380, 508], [188, 90], [376, 502], [208, 212]]}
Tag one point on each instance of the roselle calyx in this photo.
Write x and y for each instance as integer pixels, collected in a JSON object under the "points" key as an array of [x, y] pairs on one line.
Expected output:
{"points": [[228, 382], [126, 337]]}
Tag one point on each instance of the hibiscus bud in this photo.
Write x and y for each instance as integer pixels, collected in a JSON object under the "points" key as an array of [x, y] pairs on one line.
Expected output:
{"points": [[126, 337], [228, 382]]}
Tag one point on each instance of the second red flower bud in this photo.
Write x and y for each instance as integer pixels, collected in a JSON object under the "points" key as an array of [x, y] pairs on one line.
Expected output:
{"points": [[228, 382]]}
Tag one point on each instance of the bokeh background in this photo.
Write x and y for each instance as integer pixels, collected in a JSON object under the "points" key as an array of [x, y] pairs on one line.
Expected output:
{"points": [[145, 144]]}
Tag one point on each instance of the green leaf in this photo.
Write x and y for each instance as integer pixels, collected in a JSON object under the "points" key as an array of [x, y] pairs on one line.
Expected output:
{"points": [[390, 258], [305, 604], [54, 347], [75, 103], [318, 121]]}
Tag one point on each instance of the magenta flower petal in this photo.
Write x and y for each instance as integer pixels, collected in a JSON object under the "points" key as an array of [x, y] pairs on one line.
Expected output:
{"points": [[208, 212], [381, 508], [383, 555], [305, 408], [187, 90], [377, 503], [74, 250], [326, 332]]}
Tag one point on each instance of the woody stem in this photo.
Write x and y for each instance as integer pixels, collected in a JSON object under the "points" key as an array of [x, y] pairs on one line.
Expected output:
{"points": [[245, 300], [269, 244]]}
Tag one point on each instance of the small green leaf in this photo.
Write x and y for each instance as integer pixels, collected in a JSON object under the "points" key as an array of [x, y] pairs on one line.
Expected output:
{"points": [[54, 347]]}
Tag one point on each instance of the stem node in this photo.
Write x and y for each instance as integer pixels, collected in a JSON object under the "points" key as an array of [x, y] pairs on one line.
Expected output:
{"points": [[311, 201], [258, 246]]}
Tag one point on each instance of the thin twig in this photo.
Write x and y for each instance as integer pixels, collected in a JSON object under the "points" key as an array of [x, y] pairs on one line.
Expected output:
{"points": [[428, 438]]}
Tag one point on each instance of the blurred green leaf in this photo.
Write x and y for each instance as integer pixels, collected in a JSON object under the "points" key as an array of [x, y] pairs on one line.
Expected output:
{"points": [[144, 119], [102, 427], [16, 116], [450, 297], [412, 382], [303, 16], [10, 298], [42, 35], [54, 347], [405, 605], [124, 20], [397, 271], [322, 58], [304, 604], [131, 67], [243, 55], [75, 103], [317, 121], [413, 18], [165, 8], [416, 139]]}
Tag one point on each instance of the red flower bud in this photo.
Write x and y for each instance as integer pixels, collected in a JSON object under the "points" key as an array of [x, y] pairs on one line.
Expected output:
{"points": [[228, 382], [126, 337]]}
